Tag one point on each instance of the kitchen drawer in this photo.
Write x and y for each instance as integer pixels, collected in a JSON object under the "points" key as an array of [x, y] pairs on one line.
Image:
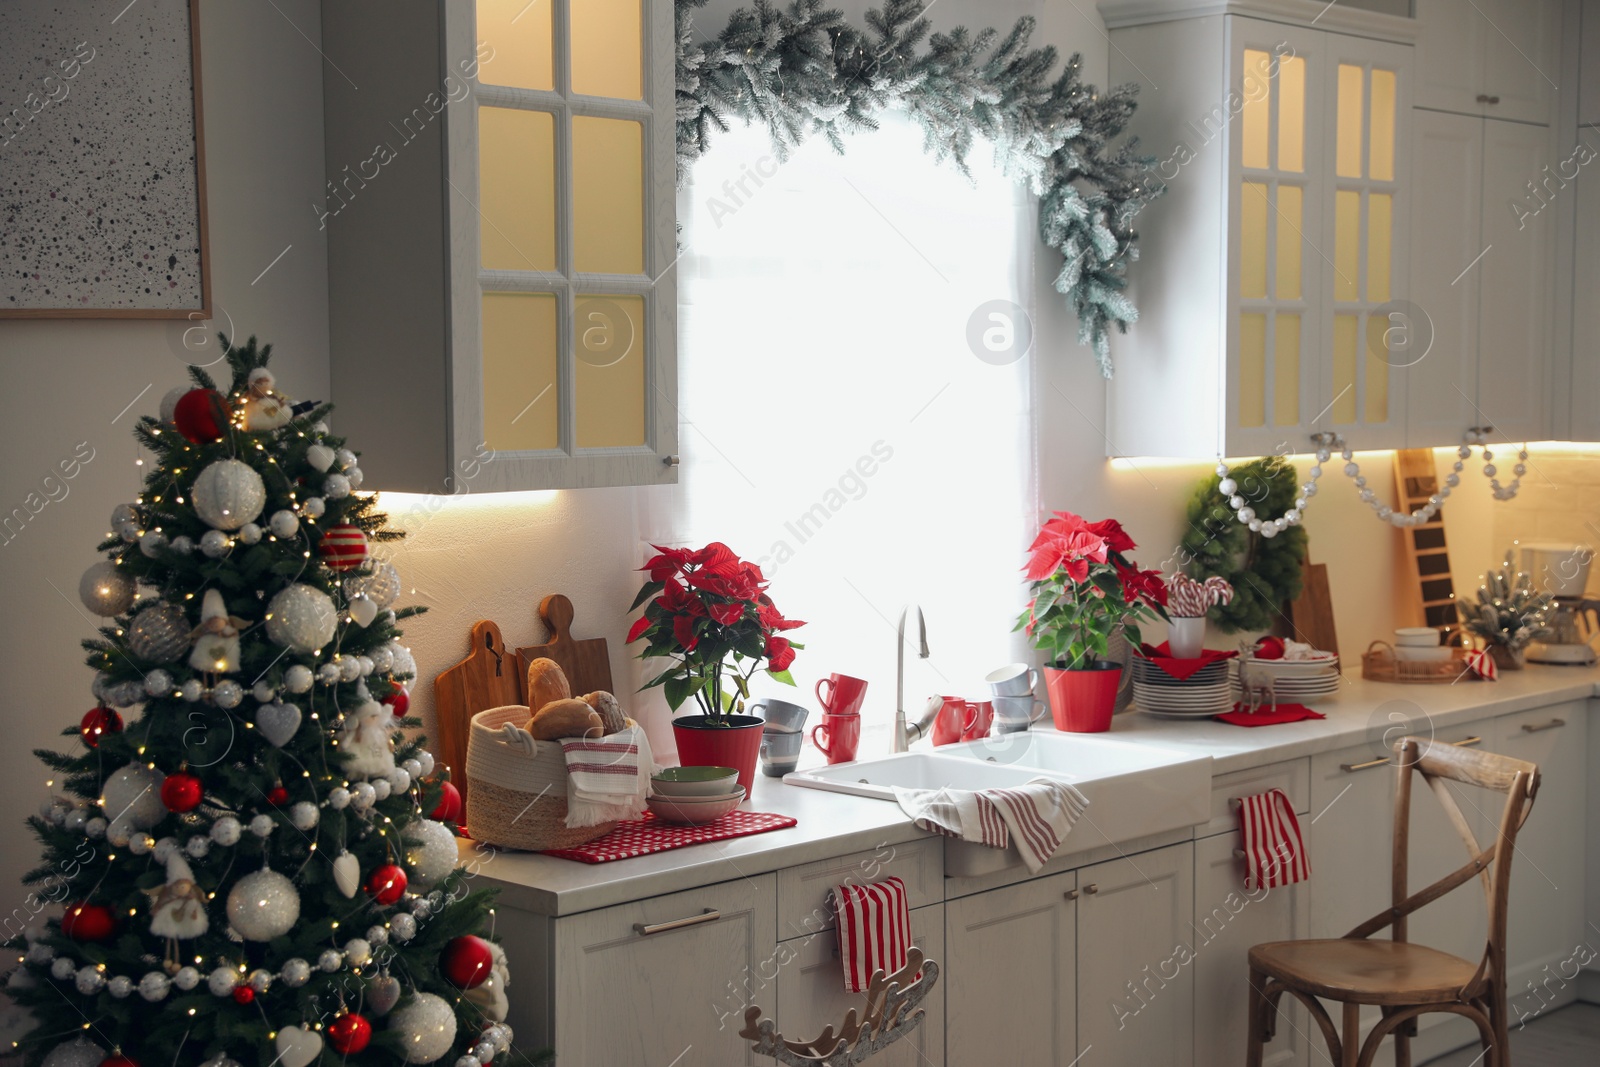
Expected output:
{"points": [[803, 890], [1291, 776]]}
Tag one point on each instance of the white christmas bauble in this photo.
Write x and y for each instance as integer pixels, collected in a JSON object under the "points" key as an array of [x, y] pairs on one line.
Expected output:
{"points": [[186, 978], [118, 833], [382, 659], [154, 986], [363, 611], [227, 693], [222, 980], [296, 973], [382, 586], [225, 831], [197, 847], [132, 796], [355, 477], [349, 668], [365, 665], [89, 981], [425, 761], [380, 788], [76, 1053], [228, 494], [347, 458], [329, 961], [182, 545], [304, 815], [399, 780], [263, 692], [141, 844], [120, 986], [298, 679], [95, 827], [357, 952], [214, 544], [427, 1028], [164, 850], [377, 935], [158, 683], [328, 673], [338, 798], [129, 532], [314, 506], [301, 618], [262, 826], [263, 905], [159, 633], [403, 663], [412, 767], [336, 487], [75, 821], [430, 852], [284, 524], [250, 533], [63, 969], [106, 589], [363, 796], [152, 543], [191, 690], [320, 456], [403, 927], [260, 980]]}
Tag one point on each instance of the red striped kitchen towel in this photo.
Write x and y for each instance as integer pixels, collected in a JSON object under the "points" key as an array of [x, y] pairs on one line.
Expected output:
{"points": [[1036, 816], [608, 777], [1274, 851], [874, 930]]}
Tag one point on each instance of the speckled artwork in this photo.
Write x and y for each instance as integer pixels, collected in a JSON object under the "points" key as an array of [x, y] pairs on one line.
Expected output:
{"points": [[101, 183]]}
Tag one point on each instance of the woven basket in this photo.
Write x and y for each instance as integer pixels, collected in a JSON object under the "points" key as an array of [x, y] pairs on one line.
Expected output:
{"points": [[517, 789]]}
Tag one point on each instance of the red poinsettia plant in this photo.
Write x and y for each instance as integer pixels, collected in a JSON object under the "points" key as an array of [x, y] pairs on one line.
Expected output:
{"points": [[709, 611], [1084, 587]]}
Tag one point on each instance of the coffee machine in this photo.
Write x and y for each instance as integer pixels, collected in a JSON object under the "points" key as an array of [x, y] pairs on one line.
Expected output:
{"points": [[1562, 570]]}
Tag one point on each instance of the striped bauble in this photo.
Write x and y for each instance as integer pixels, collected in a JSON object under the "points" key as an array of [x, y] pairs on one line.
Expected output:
{"points": [[344, 547]]}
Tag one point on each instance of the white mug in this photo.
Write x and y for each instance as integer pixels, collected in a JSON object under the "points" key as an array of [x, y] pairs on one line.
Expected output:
{"points": [[1012, 680]]}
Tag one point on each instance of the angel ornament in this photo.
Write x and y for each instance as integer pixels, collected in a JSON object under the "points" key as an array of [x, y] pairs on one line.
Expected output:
{"points": [[365, 741], [178, 910], [216, 639], [265, 409]]}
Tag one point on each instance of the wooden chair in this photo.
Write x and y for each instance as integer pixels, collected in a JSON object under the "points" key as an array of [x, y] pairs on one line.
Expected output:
{"points": [[1402, 979]]}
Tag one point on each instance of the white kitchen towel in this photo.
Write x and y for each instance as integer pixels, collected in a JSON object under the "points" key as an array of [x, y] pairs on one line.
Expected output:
{"points": [[608, 778], [874, 924], [1274, 851], [1037, 816]]}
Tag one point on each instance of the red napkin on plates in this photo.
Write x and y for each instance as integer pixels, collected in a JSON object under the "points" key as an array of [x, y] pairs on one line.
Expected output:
{"points": [[1284, 713], [1181, 669]]}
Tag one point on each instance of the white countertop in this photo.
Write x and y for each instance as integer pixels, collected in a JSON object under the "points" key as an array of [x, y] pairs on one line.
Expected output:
{"points": [[834, 824]]}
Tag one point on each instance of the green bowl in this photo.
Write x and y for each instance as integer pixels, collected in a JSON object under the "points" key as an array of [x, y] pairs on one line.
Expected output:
{"points": [[694, 781]]}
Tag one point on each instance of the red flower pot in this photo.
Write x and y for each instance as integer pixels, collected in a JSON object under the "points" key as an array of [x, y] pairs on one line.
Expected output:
{"points": [[735, 743], [1081, 701]]}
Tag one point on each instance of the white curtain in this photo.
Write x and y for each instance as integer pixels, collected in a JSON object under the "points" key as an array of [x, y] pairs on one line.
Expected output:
{"points": [[836, 424]]}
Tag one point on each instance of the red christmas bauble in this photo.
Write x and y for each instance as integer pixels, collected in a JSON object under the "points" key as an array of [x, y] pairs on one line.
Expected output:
{"points": [[449, 809], [96, 723], [88, 922], [181, 792], [387, 884], [118, 1061], [466, 962], [399, 701], [201, 415], [344, 547], [277, 796], [243, 994], [349, 1033]]}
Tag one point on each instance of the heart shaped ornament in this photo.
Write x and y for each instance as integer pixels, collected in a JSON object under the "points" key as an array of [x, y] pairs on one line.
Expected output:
{"points": [[278, 723], [346, 874], [297, 1047], [320, 457], [383, 994], [363, 609]]}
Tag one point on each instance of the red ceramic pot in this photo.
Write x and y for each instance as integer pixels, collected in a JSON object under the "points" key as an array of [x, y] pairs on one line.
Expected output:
{"points": [[735, 742], [1081, 701]]}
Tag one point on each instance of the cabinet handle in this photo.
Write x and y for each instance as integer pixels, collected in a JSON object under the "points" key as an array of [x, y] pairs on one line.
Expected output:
{"points": [[1529, 728], [670, 461], [1485, 98], [1071, 894], [710, 915], [1364, 766], [1467, 741], [1091, 889]]}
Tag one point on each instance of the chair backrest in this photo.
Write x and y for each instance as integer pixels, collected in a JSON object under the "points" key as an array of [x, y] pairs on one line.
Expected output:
{"points": [[1437, 762]]}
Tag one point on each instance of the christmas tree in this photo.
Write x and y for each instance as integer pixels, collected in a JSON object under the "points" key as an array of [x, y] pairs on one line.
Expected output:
{"points": [[258, 866]]}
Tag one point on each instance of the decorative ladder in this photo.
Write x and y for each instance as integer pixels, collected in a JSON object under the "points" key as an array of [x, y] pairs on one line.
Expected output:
{"points": [[1416, 478]]}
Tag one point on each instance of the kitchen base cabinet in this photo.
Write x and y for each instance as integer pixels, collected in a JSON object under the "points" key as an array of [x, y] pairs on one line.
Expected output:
{"points": [[649, 981], [1010, 975], [1228, 920], [810, 992], [1136, 958]]}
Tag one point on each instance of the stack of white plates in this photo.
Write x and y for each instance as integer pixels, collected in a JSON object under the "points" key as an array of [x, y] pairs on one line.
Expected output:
{"points": [[1203, 694], [1298, 681]]}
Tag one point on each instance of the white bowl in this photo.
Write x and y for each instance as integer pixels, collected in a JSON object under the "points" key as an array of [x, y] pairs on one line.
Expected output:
{"points": [[1416, 637], [694, 811], [1418, 654]]}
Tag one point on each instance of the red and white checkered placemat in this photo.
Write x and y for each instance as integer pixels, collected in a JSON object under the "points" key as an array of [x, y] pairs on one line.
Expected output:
{"points": [[644, 836]]}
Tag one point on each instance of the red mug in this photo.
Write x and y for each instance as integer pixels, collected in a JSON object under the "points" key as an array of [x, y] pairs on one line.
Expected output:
{"points": [[982, 720], [843, 733], [954, 720], [844, 695]]}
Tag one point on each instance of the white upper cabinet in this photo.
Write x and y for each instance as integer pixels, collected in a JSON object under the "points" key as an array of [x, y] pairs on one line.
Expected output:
{"points": [[1500, 58], [1589, 65], [1583, 398], [502, 304], [1273, 270]]}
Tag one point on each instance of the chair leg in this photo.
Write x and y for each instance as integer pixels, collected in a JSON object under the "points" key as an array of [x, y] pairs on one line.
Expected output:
{"points": [[1350, 1039], [1499, 1010], [1259, 1007]]}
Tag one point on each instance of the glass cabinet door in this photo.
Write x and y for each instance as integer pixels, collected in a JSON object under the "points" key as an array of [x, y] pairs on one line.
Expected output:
{"points": [[561, 193]]}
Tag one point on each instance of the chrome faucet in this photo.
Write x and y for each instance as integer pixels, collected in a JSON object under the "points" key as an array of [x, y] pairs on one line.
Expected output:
{"points": [[904, 732]]}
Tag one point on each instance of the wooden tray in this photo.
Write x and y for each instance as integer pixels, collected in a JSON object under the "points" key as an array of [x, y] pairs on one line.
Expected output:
{"points": [[1379, 664]]}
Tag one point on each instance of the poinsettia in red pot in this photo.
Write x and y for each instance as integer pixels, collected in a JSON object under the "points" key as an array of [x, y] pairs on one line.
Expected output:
{"points": [[708, 611], [1085, 588]]}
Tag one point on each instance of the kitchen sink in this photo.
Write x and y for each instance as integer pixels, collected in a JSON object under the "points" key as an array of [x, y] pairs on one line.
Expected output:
{"points": [[1134, 789]]}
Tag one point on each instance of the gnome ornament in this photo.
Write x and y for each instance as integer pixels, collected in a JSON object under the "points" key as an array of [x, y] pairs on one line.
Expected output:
{"points": [[216, 639], [178, 910], [265, 409], [365, 743]]}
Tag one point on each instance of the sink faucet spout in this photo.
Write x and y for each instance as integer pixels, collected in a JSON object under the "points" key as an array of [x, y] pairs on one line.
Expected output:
{"points": [[904, 732]]}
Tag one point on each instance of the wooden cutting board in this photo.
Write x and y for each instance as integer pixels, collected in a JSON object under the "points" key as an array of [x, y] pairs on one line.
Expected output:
{"points": [[1311, 615], [490, 677], [587, 663]]}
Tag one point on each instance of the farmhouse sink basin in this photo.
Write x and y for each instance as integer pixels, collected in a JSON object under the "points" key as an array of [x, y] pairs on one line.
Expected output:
{"points": [[1134, 789]]}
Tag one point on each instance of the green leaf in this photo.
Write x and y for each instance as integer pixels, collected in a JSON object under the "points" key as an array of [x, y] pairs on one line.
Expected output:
{"points": [[680, 689], [781, 676], [649, 590]]}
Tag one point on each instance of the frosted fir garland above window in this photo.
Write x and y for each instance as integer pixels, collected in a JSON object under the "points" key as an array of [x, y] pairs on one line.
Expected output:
{"points": [[805, 70]]}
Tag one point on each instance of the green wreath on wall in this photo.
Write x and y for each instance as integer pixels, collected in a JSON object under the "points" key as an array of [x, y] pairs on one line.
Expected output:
{"points": [[805, 70], [1265, 572]]}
